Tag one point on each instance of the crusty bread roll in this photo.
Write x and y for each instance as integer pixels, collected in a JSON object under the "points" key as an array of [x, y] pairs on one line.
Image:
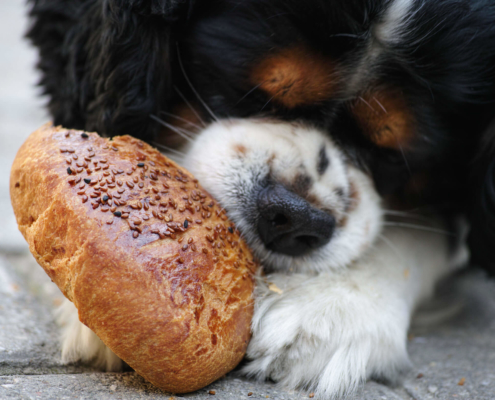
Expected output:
{"points": [[149, 259]]}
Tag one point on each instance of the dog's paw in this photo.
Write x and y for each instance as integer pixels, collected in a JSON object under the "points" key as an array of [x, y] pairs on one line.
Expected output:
{"points": [[327, 334], [79, 343]]}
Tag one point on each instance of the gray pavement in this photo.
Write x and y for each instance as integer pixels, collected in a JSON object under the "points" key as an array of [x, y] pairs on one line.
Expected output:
{"points": [[453, 360]]}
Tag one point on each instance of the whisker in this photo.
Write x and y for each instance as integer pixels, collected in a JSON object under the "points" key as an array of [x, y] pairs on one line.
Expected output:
{"points": [[170, 149], [404, 157], [368, 104], [419, 227], [346, 35], [396, 212], [391, 245], [221, 211], [175, 159], [277, 15], [405, 215], [190, 106], [381, 105], [190, 134], [192, 87], [268, 102], [185, 131], [180, 119], [171, 127], [248, 93], [271, 98]]}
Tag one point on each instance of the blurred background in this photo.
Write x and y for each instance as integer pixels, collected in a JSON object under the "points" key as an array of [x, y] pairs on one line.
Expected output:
{"points": [[21, 109]]}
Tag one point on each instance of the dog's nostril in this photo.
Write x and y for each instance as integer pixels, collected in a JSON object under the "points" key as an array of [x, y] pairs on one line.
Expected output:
{"points": [[280, 220], [288, 224]]}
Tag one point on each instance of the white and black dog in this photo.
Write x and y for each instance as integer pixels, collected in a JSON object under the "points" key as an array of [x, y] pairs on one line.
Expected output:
{"points": [[337, 314], [313, 123]]}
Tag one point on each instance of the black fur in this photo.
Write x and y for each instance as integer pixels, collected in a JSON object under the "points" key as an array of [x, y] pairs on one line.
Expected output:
{"points": [[109, 64], [481, 208], [105, 63]]}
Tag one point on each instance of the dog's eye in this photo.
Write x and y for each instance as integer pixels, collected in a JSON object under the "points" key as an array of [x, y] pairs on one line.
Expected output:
{"points": [[323, 161]]}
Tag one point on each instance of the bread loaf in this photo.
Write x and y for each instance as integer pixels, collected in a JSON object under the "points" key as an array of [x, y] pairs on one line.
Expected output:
{"points": [[149, 259]]}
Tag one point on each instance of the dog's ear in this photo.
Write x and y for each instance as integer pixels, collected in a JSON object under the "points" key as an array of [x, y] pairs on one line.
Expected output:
{"points": [[482, 209], [107, 63]]}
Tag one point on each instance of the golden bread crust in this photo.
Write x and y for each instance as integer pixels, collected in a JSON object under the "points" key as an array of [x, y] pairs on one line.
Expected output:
{"points": [[172, 298]]}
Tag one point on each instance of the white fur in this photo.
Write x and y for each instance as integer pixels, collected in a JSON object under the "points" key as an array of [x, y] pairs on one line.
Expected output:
{"points": [[332, 331], [79, 343], [281, 151], [390, 28]]}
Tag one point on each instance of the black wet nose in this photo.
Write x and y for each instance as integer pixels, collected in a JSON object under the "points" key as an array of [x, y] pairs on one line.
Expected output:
{"points": [[288, 224]]}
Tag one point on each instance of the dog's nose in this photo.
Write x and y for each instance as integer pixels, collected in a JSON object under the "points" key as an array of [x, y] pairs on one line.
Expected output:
{"points": [[288, 224]]}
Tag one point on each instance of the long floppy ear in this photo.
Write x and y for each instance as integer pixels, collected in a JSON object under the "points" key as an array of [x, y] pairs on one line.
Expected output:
{"points": [[482, 209], [106, 64]]}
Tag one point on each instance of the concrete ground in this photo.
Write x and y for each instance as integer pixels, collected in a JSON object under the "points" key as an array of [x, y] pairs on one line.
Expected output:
{"points": [[455, 359]]}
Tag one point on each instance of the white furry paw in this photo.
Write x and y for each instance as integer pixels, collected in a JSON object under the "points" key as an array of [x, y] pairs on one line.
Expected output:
{"points": [[326, 333], [79, 343]]}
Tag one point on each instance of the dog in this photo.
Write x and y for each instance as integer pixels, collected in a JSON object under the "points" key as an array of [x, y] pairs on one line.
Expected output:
{"points": [[318, 126]]}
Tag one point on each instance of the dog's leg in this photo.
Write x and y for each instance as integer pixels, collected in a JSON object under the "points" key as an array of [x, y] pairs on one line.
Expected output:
{"points": [[332, 331], [79, 343]]}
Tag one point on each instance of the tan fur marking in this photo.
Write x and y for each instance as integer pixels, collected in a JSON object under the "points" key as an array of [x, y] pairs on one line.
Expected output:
{"points": [[352, 204], [343, 221], [354, 197], [271, 160], [240, 149], [385, 118], [296, 76]]}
